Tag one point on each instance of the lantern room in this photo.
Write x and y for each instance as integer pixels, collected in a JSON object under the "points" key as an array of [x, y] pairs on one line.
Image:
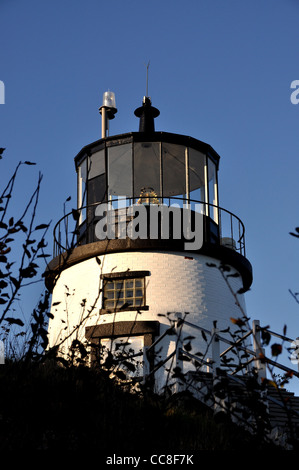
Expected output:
{"points": [[147, 167]]}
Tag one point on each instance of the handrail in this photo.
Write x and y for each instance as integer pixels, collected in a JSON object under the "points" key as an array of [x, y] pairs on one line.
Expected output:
{"points": [[61, 246], [216, 336], [278, 335]]}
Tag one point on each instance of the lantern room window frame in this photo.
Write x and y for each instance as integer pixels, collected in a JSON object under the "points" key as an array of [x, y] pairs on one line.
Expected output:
{"points": [[197, 160]]}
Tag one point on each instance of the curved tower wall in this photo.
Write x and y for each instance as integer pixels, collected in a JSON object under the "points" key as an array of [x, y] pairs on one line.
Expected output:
{"points": [[175, 283]]}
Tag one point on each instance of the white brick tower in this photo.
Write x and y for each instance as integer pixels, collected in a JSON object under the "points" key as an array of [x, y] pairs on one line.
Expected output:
{"points": [[116, 273]]}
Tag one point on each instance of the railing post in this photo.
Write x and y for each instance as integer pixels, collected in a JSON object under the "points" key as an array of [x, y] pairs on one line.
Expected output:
{"points": [[259, 352], [209, 365], [178, 362], [215, 349], [219, 405], [146, 365]]}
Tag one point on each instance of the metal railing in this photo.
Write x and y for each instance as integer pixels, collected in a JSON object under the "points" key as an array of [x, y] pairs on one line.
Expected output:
{"points": [[78, 226], [258, 361], [257, 354]]}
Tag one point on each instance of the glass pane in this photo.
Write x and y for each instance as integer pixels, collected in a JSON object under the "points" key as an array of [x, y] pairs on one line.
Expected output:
{"points": [[82, 173], [96, 164], [120, 170], [138, 283], [174, 170], [212, 189], [147, 172], [97, 189], [197, 178]]}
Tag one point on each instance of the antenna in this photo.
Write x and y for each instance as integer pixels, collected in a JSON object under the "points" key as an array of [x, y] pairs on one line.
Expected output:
{"points": [[147, 67]]}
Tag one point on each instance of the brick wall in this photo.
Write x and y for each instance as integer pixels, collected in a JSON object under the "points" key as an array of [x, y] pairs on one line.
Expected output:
{"points": [[178, 283]]}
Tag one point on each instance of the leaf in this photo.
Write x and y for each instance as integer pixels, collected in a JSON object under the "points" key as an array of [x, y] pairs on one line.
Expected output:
{"points": [[29, 163], [242, 290], [30, 271], [125, 305], [68, 199], [15, 282], [120, 374], [170, 332], [76, 214], [190, 337], [3, 225], [237, 321], [16, 321], [129, 366], [3, 284], [266, 337], [204, 335], [294, 234], [41, 226], [2, 301], [30, 242], [188, 346], [225, 267], [271, 382], [276, 349], [42, 244]]}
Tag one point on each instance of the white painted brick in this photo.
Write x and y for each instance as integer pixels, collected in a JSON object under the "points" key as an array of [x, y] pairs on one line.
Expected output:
{"points": [[175, 284]]}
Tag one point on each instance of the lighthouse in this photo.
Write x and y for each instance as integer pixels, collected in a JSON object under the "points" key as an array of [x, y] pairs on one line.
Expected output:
{"points": [[143, 246]]}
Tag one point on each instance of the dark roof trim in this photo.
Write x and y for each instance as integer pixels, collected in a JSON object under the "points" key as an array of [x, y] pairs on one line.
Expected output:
{"points": [[167, 137]]}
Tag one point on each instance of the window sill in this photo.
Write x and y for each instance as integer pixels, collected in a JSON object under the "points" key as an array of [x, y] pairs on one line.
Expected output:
{"points": [[104, 311]]}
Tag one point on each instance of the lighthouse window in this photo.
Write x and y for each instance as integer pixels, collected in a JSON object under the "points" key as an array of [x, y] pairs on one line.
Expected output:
{"points": [[123, 293], [197, 179], [147, 172], [96, 164], [120, 171], [82, 177], [174, 171], [212, 181]]}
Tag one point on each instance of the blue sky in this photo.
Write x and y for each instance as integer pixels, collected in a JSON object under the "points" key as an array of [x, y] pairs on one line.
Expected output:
{"points": [[219, 71]]}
